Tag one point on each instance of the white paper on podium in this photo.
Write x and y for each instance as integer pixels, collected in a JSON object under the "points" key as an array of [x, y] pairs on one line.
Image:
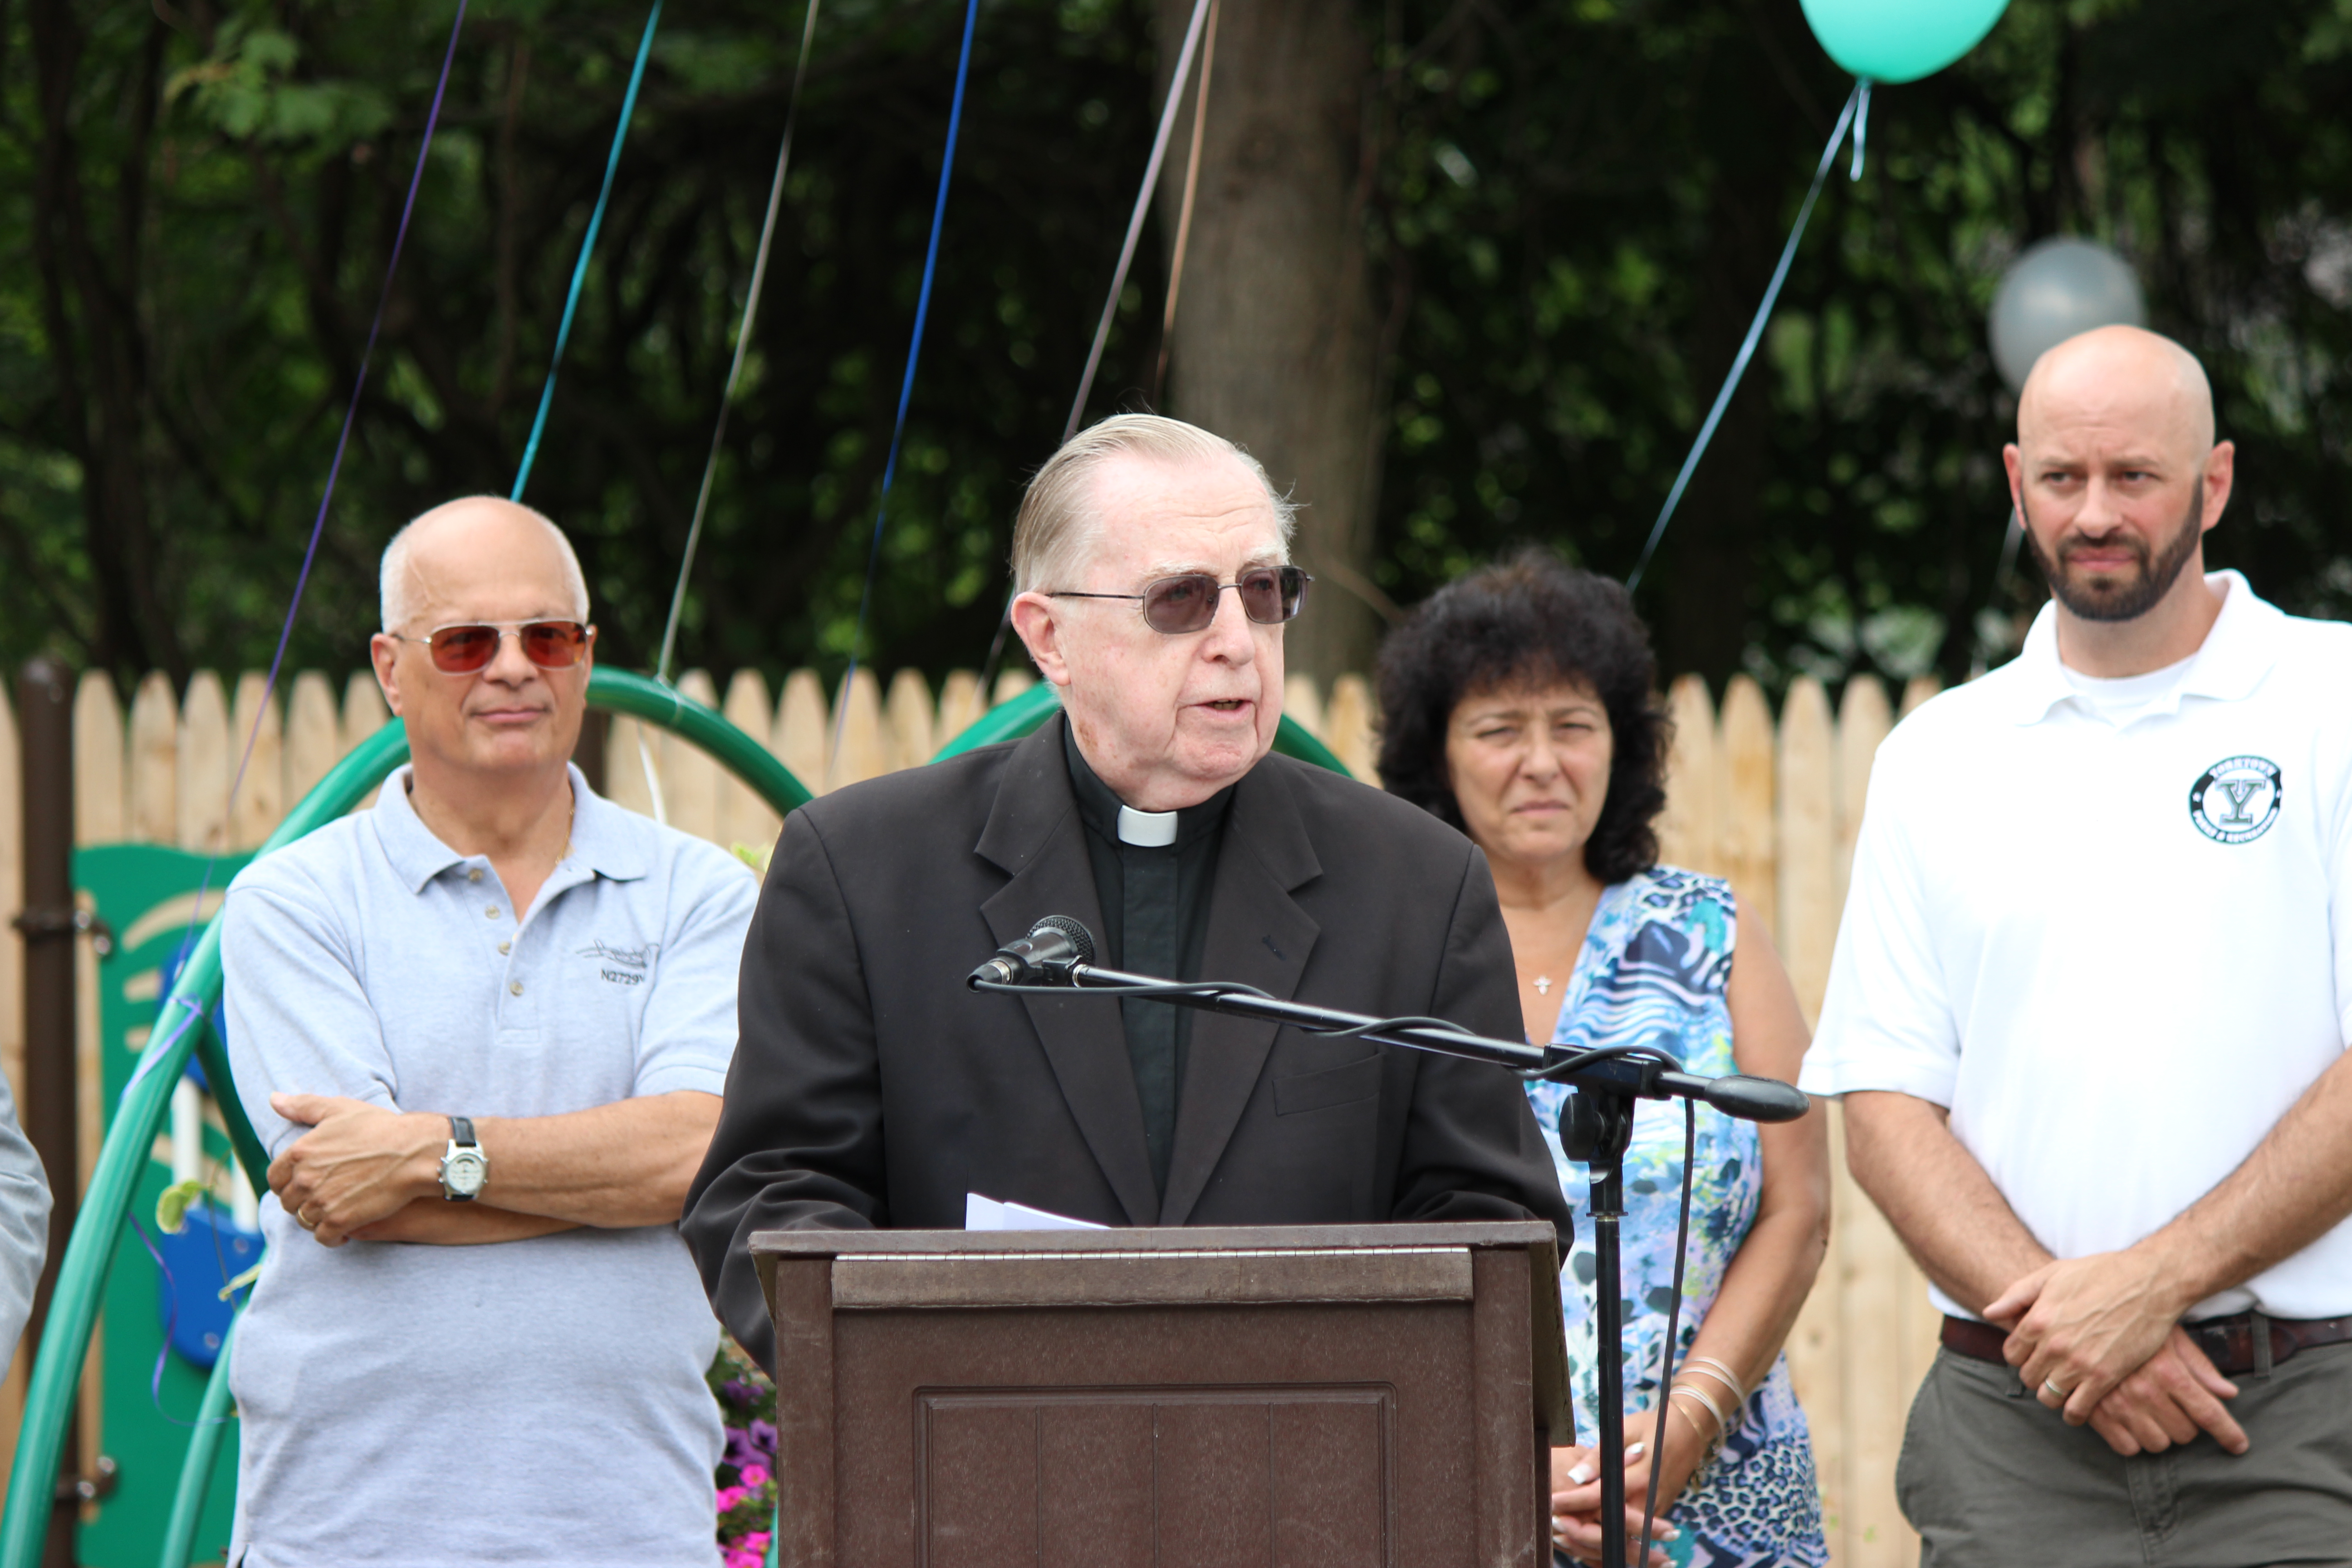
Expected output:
{"points": [[987, 1213]]}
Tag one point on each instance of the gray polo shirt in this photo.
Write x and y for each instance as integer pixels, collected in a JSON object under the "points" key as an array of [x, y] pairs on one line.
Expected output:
{"points": [[534, 1401]]}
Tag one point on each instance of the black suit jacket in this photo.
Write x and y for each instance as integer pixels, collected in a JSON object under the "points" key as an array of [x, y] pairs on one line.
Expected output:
{"points": [[870, 1088]]}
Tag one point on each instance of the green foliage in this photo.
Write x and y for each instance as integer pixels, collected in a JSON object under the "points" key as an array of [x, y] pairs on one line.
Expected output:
{"points": [[1574, 204], [248, 92]]}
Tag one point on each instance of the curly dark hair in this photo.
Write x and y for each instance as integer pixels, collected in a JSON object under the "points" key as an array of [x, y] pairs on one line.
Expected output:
{"points": [[1531, 617]]}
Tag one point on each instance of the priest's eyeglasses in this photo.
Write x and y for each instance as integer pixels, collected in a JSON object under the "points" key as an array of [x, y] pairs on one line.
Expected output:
{"points": [[1178, 605], [464, 649]]}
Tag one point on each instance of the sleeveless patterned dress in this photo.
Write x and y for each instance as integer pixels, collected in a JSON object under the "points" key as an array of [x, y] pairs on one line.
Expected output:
{"points": [[1651, 972]]}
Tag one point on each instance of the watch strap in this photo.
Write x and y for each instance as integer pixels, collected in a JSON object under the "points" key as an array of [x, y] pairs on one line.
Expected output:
{"points": [[461, 1132]]}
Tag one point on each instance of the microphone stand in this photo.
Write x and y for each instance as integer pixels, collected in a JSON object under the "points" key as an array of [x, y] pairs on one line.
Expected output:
{"points": [[1596, 1128]]}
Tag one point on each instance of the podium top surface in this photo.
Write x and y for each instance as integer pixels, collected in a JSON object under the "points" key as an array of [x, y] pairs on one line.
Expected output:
{"points": [[1179, 1266], [1472, 1234]]}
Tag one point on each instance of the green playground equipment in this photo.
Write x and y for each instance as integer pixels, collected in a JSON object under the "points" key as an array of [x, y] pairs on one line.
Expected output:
{"points": [[139, 1116]]}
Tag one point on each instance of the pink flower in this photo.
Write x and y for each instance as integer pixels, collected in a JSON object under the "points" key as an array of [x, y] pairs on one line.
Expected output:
{"points": [[755, 1475], [729, 1496]]}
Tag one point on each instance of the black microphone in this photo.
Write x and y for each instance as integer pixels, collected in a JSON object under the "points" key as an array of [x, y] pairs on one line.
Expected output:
{"points": [[1757, 1098], [1043, 957]]}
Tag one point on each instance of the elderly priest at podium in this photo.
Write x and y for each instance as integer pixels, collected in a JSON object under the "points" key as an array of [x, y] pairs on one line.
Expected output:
{"points": [[871, 1088]]}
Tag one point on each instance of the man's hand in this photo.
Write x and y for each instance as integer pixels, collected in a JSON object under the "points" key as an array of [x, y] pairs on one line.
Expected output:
{"points": [[2079, 1326], [2168, 1400], [358, 1164]]}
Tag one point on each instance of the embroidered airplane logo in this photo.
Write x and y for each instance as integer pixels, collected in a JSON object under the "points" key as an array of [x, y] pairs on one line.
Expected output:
{"points": [[622, 965]]}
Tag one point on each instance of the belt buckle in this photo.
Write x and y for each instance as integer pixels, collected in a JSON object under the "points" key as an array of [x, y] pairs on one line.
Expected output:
{"points": [[2219, 1339]]}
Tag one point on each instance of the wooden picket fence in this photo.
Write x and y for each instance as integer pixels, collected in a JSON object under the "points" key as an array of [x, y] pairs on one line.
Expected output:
{"points": [[1773, 807]]}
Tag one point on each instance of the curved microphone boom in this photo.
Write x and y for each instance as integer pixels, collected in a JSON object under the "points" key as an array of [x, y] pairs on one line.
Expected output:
{"points": [[1043, 957]]}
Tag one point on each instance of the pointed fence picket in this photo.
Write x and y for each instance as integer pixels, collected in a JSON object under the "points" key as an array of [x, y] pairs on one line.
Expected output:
{"points": [[257, 763], [908, 718], [1350, 727], [1774, 803], [313, 736], [803, 729], [743, 818]]}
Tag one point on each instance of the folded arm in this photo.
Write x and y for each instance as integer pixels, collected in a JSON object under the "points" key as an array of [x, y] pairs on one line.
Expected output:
{"points": [[362, 1170]]}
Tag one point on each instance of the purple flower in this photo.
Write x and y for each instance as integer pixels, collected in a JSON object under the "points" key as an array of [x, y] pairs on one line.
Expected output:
{"points": [[763, 1439], [743, 1447], [739, 1392]]}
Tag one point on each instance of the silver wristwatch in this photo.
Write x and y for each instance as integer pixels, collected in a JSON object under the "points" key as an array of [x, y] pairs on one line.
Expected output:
{"points": [[465, 1168]]}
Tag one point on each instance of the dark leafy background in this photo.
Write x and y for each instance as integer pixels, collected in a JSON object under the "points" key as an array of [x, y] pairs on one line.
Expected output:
{"points": [[1578, 202]]}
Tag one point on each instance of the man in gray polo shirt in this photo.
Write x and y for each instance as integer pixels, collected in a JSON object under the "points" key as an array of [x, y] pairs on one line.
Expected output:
{"points": [[483, 1029]]}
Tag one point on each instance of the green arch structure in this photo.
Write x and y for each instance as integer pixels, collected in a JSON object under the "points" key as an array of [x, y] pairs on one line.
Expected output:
{"points": [[130, 1135]]}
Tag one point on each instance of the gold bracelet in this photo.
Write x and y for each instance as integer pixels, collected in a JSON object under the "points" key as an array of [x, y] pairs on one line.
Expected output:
{"points": [[1708, 1446], [1696, 1430], [1721, 1424], [1715, 1368]]}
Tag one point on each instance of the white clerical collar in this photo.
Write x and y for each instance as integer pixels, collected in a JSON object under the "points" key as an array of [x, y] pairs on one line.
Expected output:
{"points": [[1147, 829]]}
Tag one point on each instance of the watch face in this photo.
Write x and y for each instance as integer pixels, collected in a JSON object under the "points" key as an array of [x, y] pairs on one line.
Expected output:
{"points": [[464, 1171]]}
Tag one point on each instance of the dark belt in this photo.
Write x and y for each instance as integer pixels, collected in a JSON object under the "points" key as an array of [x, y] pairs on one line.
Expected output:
{"points": [[2228, 1343]]}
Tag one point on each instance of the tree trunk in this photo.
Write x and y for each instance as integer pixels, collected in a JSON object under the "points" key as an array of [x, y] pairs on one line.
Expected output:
{"points": [[98, 350], [1275, 342]]}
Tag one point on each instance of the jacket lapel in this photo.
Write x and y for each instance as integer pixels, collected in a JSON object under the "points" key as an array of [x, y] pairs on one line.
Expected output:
{"points": [[1034, 833], [1257, 935]]}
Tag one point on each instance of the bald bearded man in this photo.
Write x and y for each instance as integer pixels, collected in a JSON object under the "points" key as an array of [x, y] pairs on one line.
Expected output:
{"points": [[482, 1029], [2088, 1013]]}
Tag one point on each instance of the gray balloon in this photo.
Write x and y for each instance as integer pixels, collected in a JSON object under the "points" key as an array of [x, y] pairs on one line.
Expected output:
{"points": [[2057, 289]]}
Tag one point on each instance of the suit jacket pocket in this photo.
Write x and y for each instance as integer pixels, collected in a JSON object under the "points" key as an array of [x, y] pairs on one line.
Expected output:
{"points": [[1303, 1091]]}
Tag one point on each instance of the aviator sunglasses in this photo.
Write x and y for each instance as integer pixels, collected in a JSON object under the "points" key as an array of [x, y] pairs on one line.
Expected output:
{"points": [[1176, 605], [462, 650]]}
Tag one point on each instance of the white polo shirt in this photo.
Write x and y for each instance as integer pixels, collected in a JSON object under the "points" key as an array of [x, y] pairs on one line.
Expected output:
{"points": [[2111, 930], [532, 1402]]}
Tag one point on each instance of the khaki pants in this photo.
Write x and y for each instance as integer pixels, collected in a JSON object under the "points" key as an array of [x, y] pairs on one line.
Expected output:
{"points": [[1991, 1478]]}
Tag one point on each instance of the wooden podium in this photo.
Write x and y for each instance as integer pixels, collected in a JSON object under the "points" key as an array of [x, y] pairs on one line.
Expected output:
{"points": [[1324, 1396]]}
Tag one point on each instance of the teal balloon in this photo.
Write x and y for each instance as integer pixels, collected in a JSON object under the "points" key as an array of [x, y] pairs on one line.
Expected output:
{"points": [[1900, 41]]}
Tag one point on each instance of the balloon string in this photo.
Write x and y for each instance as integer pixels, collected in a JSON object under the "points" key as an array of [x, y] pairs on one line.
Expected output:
{"points": [[587, 249], [1860, 96], [1860, 124], [1168, 114], [1204, 18], [326, 500], [1184, 213], [905, 387], [742, 346], [725, 406]]}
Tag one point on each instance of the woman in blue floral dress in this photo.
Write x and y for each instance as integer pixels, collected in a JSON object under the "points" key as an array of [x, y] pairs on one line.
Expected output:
{"points": [[1518, 703]]}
